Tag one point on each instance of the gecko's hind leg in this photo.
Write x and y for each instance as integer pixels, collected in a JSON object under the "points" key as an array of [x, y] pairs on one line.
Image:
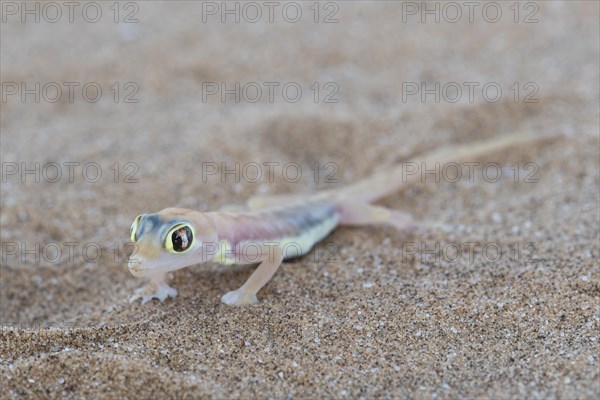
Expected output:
{"points": [[359, 214], [260, 202], [263, 201], [246, 294], [233, 208]]}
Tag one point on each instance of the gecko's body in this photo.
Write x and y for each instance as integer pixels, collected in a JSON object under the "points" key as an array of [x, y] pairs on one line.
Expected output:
{"points": [[295, 228], [276, 228]]}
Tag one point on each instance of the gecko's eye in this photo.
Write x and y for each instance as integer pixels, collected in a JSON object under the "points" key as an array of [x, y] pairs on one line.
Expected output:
{"points": [[134, 228], [179, 239]]}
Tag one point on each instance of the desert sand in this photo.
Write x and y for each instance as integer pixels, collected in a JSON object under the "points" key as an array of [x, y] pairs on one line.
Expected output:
{"points": [[371, 312]]}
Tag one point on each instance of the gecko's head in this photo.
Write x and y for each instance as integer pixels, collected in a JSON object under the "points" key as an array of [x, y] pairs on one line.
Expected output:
{"points": [[168, 240]]}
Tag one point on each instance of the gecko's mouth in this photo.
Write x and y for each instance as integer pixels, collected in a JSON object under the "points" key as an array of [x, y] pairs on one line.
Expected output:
{"points": [[135, 266], [141, 268]]}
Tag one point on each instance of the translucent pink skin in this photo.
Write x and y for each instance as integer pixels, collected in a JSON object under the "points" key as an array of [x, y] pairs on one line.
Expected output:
{"points": [[276, 224], [277, 220]]}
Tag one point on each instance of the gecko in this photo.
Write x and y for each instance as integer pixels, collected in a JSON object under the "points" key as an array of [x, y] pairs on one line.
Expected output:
{"points": [[276, 228]]}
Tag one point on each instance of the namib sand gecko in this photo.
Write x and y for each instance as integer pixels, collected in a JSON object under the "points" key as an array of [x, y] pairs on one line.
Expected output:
{"points": [[276, 227]]}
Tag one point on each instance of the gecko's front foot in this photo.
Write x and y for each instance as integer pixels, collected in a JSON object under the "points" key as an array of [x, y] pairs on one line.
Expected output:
{"points": [[238, 298], [153, 290]]}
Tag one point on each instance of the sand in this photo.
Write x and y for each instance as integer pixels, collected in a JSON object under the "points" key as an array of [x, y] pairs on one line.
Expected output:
{"points": [[370, 313]]}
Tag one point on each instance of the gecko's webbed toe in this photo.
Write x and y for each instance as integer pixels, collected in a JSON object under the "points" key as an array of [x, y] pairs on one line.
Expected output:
{"points": [[153, 291], [239, 298]]}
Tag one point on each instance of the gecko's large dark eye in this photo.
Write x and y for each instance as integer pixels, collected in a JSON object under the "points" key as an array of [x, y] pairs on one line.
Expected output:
{"points": [[179, 239]]}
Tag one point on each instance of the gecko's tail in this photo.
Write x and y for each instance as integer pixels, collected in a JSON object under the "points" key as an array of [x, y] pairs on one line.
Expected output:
{"points": [[384, 183]]}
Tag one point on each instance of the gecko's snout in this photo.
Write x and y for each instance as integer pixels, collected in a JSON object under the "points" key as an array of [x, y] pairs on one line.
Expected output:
{"points": [[134, 265]]}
